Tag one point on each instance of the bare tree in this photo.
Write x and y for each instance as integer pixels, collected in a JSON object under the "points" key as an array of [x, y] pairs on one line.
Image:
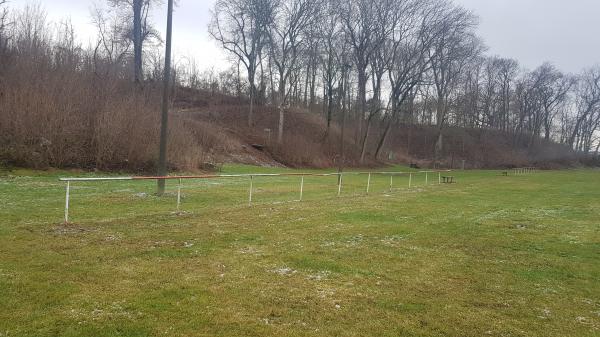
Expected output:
{"points": [[137, 28], [409, 61], [330, 44], [552, 93], [587, 109], [112, 46], [390, 19], [286, 36], [359, 20], [240, 26], [509, 69], [454, 48], [3, 25], [312, 63], [540, 95]]}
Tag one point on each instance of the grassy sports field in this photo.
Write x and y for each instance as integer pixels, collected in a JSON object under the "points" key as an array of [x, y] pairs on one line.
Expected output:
{"points": [[488, 256]]}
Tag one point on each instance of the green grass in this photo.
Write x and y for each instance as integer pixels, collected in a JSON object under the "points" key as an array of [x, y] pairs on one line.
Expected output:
{"points": [[489, 256]]}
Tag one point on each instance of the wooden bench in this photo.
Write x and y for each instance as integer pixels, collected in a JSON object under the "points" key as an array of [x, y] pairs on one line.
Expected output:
{"points": [[259, 147], [448, 180]]}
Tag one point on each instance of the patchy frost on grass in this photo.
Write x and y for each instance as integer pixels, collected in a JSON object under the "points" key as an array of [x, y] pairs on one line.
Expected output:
{"points": [[328, 244], [110, 238], [69, 230], [284, 271], [249, 250], [528, 213], [325, 293], [545, 314], [500, 214], [354, 241], [321, 275], [392, 240], [110, 311]]}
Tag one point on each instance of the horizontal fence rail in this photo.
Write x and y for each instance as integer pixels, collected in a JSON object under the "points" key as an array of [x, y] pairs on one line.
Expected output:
{"points": [[524, 170], [251, 177]]}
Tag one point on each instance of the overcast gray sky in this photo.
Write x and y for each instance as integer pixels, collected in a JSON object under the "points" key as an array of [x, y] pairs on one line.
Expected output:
{"points": [[564, 32]]}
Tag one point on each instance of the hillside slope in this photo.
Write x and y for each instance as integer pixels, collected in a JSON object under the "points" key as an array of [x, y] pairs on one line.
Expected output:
{"points": [[117, 129], [307, 143]]}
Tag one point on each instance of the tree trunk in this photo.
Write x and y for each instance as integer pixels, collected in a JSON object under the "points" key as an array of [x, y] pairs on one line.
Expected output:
{"points": [[383, 138], [329, 112], [313, 81], [364, 141], [439, 146], [282, 99], [576, 129], [251, 75], [251, 111], [441, 115], [343, 134], [362, 97], [388, 127], [306, 80], [281, 121]]}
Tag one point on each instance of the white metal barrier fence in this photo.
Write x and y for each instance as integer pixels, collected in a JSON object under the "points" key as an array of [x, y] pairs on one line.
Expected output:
{"points": [[179, 179], [524, 170]]}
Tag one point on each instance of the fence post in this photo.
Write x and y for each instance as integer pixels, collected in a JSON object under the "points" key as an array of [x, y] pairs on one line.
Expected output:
{"points": [[439, 178], [368, 183], [250, 193], [301, 187], [340, 184], [391, 182], [67, 202], [426, 178], [410, 180], [179, 194]]}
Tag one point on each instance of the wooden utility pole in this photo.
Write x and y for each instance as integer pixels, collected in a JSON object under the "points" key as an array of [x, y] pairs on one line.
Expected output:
{"points": [[344, 87], [162, 157], [137, 40]]}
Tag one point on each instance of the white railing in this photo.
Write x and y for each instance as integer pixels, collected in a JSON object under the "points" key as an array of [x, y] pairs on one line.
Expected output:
{"points": [[251, 177], [524, 170]]}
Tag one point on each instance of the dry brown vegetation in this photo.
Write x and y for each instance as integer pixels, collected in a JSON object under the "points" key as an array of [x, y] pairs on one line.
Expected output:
{"points": [[306, 144], [57, 117], [64, 106]]}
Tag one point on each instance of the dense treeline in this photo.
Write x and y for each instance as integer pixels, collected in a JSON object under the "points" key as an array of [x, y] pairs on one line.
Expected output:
{"points": [[377, 67], [399, 62]]}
